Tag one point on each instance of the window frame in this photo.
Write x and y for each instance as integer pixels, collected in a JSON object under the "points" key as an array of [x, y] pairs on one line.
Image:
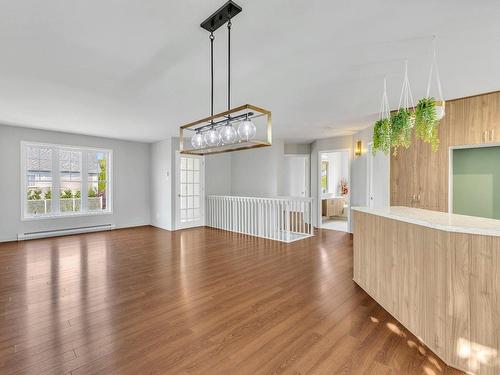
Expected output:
{"points": [[327, 175], [56, 180]]}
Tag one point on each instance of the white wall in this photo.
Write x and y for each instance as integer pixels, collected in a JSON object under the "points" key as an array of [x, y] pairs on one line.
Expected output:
{"points": [[298, 148], [218, 174], [359, 173], [131, 176], [147, 173], [161, 184], [258, 172]]}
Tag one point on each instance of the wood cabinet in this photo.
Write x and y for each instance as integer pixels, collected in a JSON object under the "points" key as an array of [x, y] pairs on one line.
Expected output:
{"points": [[476, 120], [442, 286], [419, 176], [332, 207], [492, 119]]}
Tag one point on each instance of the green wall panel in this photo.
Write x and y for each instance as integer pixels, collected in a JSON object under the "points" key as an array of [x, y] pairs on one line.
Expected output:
{"points": [[476, 182]]}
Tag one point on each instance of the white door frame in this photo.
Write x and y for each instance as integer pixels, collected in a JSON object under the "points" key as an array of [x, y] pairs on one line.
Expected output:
{"points": [[308, 172], [178, 224], [369, 176], [318, 179]]}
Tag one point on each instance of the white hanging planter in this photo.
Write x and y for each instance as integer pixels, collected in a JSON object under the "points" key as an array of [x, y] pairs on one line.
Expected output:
{"points": [[440, 109]]}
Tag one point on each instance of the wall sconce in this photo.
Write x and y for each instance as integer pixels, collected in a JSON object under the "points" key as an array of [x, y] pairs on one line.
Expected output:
{"points": [[358, 149]]}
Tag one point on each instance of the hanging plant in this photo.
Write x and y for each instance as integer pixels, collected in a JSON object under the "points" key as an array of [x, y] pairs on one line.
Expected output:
{"points": [[429, 111], [382, 132], [382, 129], [401, 127], [403, 120], [426, 122]]}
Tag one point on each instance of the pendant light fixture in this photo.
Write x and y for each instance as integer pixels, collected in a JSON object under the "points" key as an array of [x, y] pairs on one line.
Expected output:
{"points": [[218, 133], [197, 141], [227, 134], [247, 129], [211, 137]]}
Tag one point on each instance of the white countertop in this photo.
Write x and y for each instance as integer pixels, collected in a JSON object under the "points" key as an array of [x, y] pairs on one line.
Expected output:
{"points": [[437, 220]]}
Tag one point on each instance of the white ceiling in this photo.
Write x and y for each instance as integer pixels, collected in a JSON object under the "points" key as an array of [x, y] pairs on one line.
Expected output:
{"points": [[136, 69]]}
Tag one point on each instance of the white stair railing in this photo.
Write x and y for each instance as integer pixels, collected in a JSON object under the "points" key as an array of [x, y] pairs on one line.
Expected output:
{"points": [[283, 219]]}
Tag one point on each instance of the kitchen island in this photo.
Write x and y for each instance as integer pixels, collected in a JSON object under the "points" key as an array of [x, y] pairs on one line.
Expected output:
{"points": [[439, 275]]}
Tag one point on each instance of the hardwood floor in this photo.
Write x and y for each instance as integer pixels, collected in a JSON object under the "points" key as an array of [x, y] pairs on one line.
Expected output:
{"points": [[198, 301]]}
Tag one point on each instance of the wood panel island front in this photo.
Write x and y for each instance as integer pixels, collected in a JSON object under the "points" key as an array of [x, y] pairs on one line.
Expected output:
{"points": [[439, 275]]}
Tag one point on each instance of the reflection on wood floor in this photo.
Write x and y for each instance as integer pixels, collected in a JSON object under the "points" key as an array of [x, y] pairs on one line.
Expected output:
{"points": [[198, 301]]}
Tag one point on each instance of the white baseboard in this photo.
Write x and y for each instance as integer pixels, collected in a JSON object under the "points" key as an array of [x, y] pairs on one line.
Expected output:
{"points": [[64, 232]]}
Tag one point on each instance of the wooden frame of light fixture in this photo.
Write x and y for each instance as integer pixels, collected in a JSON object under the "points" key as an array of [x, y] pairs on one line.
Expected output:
{"points": [[225, 116]]}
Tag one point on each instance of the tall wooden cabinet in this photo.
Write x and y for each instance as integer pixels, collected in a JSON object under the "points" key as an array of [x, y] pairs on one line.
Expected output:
{"points": [[419, 176]]}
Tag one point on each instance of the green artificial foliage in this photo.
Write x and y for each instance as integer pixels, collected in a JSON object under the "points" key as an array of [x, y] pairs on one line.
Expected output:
{"points": [[78, 194], [48, 194], [401, 126], [66, 194], [34, 194], [102, 176], [92, 193], [426, 122], [382, 136]]}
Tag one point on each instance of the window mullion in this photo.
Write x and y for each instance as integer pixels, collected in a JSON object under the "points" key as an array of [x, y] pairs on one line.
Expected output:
{"points": [[108, 184], [56, 181], [24, 178], [85, 180]]}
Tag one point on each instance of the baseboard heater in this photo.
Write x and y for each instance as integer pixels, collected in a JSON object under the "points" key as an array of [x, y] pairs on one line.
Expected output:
{"points": [[63, 232]]}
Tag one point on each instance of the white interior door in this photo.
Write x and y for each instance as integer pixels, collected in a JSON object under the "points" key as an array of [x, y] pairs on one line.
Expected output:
{"points": [[190, 186], [296, 176]]}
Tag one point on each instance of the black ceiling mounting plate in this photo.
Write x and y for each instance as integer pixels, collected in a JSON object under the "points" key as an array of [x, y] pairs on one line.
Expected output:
{"points": [[221, 16]]}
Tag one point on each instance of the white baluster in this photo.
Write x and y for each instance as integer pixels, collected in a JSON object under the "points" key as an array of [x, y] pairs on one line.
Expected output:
{"points": [[274, 219], [246, 216], [267, 219]]}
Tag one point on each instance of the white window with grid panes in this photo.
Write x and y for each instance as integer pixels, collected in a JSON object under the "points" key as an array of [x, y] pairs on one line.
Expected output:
{"points": [[59, 180], [190, 194]]}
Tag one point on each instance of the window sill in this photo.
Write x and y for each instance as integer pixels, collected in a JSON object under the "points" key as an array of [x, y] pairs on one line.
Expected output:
{"points": [[65, 216]]}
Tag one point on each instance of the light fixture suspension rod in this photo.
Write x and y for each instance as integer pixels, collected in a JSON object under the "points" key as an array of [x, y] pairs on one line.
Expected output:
{"points": [[212, 37], [229, 24]]}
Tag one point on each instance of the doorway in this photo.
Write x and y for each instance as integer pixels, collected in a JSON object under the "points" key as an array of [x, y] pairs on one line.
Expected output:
{"points": [[190, 191], [296, 175], [334, 189]]}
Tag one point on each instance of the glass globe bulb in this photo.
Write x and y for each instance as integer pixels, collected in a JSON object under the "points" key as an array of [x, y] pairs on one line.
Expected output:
{"points": [[211, 137], [227, 134], [197, 141], [246, 130]]}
